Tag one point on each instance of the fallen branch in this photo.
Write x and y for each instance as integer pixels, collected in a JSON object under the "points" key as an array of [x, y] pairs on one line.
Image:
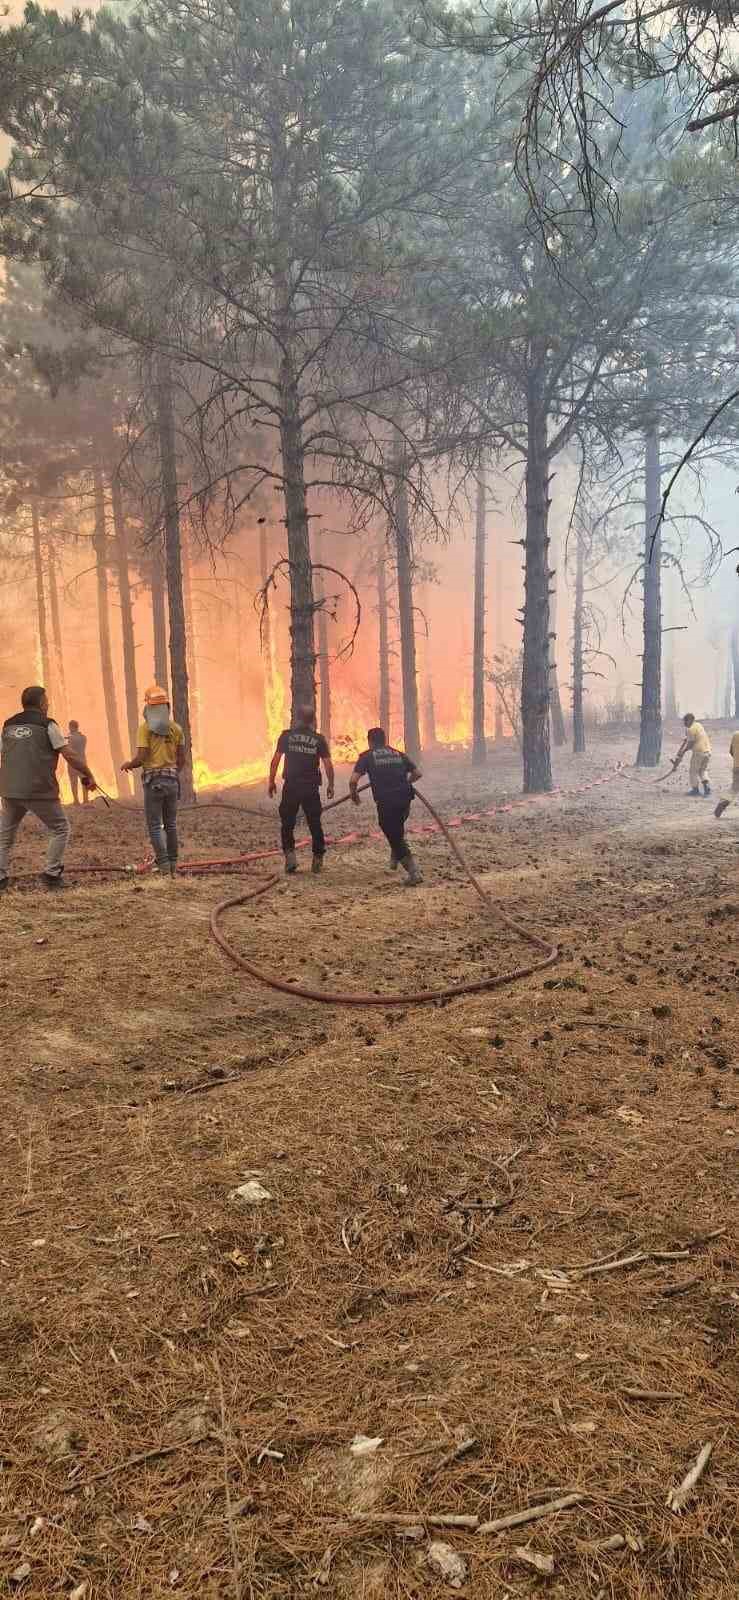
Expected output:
{"points": [[516, 1519], [461, 1450], [615, 1542], [611, 1266], [404, 1519], [146, 1455], [680, 1288], [677, 1497], [649, 1394]]}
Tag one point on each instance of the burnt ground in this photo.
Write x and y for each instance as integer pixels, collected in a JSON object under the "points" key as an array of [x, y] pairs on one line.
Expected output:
{"points": [[183, 1374]]}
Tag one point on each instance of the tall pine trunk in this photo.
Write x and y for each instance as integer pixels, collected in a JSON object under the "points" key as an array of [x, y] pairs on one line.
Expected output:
{"points": [[537, 764], [498, 641], [735, 667], [192, 651], [266, 639], [173, 563], [650, 732], [128, 638], [578, 664], [100, 546], [382, 638], [559, 733], [411, 727], [302, 603], [479, 746], [324, 665], [56, 631], [159, 616], [38, 567]]}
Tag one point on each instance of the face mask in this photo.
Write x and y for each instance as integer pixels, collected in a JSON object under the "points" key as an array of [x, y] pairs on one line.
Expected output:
{"points": [[157, 719]]}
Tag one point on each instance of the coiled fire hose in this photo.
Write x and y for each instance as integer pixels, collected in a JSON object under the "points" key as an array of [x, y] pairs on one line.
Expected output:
{"points": [[422, 996]]}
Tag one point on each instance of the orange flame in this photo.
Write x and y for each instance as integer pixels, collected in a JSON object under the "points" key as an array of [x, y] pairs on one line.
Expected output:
{"points": [[458, 732]]}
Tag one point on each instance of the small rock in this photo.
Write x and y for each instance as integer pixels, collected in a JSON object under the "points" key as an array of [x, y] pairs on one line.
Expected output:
{"points": [[361, 1445], [141, 1525], [445, 1562], [57, 1436], [21, 1573], [251, 1193], [190, 1421], [81, 1592], [36, 1526]]}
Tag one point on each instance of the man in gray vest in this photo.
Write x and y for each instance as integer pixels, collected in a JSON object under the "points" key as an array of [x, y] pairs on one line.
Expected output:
{"points": [[31, 746]]}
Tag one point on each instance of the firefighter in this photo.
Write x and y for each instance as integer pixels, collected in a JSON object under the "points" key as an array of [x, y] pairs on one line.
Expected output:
{"points": [[303, 750], [161, 756], [391, 774], [32, 743]]}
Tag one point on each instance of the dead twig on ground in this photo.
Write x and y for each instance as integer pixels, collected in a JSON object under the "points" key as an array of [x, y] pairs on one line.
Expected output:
{"points": [[677, 1498], [235, 1563], [144, 1456], [516, 1519]]}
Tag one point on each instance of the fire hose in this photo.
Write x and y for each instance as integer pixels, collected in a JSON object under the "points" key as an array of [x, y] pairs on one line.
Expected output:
{"points": [[422, 996]]}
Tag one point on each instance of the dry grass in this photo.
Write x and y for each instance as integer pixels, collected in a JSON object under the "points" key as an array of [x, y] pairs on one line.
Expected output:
{"points": [[155, 1335]]}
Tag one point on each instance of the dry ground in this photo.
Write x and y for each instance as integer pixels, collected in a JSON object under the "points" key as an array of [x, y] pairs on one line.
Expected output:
{"points": [[182, 1375]]}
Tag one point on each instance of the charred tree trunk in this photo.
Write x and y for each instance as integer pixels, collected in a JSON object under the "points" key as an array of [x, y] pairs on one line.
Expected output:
{"points": [[38, 565], [324, 664], [173, 562], [411, 728], [479, 746], [124, 591], [559, 733], [56, 630], [100, 546], [537, 763], [192, 651], [650, 734], [735, 667], [578, 664], [383, 642], [159, 617]]}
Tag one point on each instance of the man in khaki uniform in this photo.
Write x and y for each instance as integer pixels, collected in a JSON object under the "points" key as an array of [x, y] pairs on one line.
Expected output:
{"points": [[698, 743]]}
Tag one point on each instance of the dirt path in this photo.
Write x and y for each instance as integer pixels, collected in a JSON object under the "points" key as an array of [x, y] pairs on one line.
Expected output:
{"points": [[437, 1177]]}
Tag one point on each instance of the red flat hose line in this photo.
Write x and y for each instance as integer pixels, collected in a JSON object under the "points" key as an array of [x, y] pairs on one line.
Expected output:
{"points": [[423, 996]]}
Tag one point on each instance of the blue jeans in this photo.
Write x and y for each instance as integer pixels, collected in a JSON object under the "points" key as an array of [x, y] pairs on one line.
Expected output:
{"points": [[160, 810]]}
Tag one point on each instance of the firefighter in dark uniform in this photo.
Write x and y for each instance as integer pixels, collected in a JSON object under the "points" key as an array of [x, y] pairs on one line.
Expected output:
{"points": [[391, 774], [32, 743], [303, 750]]}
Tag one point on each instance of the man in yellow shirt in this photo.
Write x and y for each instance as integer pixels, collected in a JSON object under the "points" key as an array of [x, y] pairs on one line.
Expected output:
{"points": [[698, 743], [161, 756], [724, 804]]}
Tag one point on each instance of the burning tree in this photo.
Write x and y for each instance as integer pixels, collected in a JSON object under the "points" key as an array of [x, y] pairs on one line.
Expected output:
{"points": [[267, 183]]}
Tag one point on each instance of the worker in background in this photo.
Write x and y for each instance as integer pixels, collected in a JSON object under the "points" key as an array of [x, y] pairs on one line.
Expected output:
{"points": [[77, 741], [32, 743], [391, 774], [303, 750], [727, 800], [698, 743], [161, 756]]}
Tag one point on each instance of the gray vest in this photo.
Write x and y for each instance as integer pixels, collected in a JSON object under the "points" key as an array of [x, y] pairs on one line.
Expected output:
{"points": [[27, 760]]}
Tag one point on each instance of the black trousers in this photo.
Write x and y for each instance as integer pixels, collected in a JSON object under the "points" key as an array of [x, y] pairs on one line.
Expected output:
{"points": [[294, 798], [392, 816]]}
